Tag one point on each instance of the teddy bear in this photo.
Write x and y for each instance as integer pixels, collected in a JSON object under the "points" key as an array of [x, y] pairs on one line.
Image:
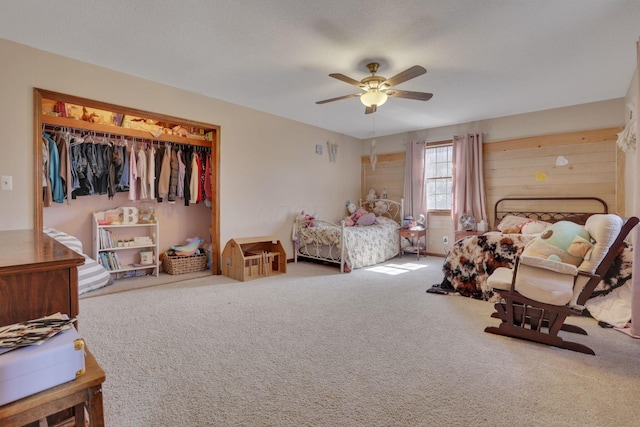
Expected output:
{"points": [[564, 241], [380, 207], [371, 196]]}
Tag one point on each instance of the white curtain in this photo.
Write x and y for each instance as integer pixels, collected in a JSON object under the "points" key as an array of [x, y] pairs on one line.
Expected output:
{"points": [[415, 201], [468, 179]]}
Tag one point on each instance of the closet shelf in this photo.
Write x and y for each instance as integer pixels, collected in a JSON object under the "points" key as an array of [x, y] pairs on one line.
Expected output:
{"points": [[115, 130]]}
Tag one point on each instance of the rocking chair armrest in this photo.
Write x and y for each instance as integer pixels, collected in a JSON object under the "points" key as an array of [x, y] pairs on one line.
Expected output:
{"points": [[585, 287], [549, 264]]}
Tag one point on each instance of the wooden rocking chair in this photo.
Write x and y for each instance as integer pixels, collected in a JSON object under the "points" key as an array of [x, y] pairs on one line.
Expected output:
{"points": [[539, 294]]}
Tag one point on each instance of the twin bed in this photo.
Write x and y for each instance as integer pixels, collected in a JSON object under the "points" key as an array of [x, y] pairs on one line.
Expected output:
{"points": [[472, 259], [351, 247]]}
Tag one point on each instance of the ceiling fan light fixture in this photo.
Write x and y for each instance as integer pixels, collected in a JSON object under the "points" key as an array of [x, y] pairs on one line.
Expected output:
{"points": [[373, 97]]}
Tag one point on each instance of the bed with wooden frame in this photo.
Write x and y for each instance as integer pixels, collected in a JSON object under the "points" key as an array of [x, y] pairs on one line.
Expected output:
{"points": [[472, 259], [351, 247]]}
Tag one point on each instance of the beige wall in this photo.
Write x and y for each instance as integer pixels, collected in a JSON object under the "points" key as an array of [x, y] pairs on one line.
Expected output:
{"points": [[269, 169]]}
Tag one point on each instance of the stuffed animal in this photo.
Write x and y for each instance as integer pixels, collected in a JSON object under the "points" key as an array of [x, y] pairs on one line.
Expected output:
{"points": [[564, 241], [380, 207], [180, 131], [351, 207], [366, 218], [371, 196], [306, 220], [359, 217]]}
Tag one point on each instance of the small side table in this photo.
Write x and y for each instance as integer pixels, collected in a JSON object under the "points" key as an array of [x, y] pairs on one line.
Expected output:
{"points": [[412, 233], [83, 392]]}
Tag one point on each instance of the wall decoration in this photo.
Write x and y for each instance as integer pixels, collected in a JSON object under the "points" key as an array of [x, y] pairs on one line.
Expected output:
{"points": [[541, 176], [332, 150], [561, 161], [627, 138]]}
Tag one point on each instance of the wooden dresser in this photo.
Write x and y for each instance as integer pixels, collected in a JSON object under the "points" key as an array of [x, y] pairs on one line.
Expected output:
{"points": [[38, 276]]}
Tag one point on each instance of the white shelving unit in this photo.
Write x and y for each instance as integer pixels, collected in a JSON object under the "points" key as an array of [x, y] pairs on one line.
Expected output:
{"points": [[118, 248]]}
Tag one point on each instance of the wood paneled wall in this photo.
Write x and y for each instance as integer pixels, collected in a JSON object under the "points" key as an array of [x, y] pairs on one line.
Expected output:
{"points": [[523, 167], [389, 173], [535, 167]]}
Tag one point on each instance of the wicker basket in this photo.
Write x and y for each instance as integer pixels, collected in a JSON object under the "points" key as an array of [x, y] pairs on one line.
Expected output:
{"points": [[174, 264]]}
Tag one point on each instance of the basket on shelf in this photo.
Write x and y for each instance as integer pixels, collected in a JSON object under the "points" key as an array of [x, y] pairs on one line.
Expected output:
{"points": [[174, 264]]}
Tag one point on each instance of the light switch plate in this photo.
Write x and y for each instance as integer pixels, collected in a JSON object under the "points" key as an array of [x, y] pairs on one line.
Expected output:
{"points": [[6, 182]]}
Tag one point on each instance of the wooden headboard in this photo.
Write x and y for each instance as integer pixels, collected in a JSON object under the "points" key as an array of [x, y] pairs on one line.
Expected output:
{"points": [[550, 209]]}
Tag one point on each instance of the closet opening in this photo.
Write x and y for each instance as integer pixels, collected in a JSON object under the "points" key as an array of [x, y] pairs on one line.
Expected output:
{"points": [[102, 124]]}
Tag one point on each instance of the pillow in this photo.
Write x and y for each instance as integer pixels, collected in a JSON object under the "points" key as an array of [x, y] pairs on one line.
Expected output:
{"points": [[533, 226], [511, 224], [563, 241]]}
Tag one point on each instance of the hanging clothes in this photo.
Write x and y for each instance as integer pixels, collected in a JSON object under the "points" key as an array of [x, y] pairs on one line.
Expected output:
{"points": [[133, 175], [187, 176], [165, 174], [141, 174], [200, 177], [207, 180], [80, 165], [116, 167], [103, 160], [54, 182], [181, 172], [195, 179], [173, 177], [81, 172], [47, 197], [62, 142], [151, 171], [158, 162], [122, 185]]}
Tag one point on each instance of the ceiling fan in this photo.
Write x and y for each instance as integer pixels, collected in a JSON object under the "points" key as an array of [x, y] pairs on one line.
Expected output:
{"points": [[376, 89]]}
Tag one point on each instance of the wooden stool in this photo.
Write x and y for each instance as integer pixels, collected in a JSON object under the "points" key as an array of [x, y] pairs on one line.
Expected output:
{"points": [[85, 392]]}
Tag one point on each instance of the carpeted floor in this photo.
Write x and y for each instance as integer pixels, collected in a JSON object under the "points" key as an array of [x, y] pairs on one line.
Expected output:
{"points": [[314, 347]]}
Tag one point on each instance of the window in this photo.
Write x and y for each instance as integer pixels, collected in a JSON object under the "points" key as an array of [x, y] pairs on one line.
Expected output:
{"points": [[438, 176]]}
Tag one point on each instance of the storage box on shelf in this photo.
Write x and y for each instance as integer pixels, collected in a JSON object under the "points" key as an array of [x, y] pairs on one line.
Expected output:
{"points": [[123, 249], [253, 257]]}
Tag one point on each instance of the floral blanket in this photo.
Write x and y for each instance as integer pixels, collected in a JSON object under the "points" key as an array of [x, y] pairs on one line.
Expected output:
{"points": [[474, 258], [363, 246]]}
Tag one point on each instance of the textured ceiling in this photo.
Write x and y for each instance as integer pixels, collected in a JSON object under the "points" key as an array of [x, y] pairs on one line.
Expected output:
{"points": [[485, 58]]}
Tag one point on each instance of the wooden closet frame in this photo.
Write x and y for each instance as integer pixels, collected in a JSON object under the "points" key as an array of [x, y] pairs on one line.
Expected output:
{"points": [[41, 119]]}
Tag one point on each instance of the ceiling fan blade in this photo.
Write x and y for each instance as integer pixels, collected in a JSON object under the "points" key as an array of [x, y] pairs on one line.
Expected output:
{"points": [[418, 96], [407, 74], [338, 98], [372, 109], [346, 79]]}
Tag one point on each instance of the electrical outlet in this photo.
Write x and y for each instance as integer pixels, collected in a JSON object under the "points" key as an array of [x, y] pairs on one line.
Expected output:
{"points": [[445, 240]]}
